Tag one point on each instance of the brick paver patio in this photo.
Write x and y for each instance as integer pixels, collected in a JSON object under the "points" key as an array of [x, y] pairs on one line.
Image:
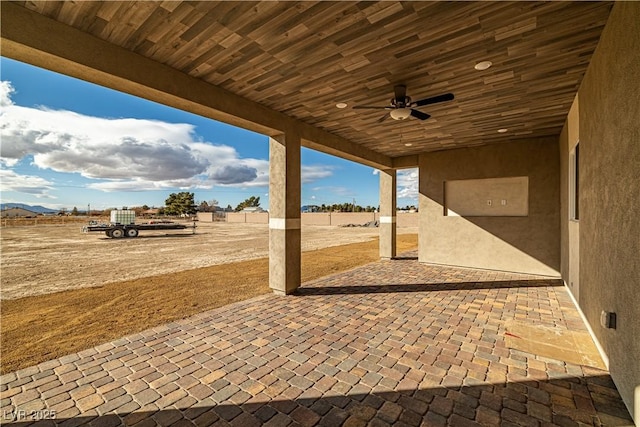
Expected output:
{"points": [[391, 343]]}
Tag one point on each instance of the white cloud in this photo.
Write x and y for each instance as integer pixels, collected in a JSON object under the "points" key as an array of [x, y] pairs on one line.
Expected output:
{"points": [[312, 173], [126, 154], [334, 191], [407, 183], [5, 93], [34, 185]]}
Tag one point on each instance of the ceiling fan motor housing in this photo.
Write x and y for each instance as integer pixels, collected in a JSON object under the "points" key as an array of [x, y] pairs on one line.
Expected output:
{"points": [[402, 110], [401, 102]]}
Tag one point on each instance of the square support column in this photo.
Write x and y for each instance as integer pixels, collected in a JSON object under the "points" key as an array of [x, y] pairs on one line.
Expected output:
{"points": [[425, 206], [284, 213], [387, 214]]}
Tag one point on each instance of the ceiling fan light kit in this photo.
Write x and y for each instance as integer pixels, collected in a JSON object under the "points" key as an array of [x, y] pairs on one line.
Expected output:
{"points": [[400, 113]]}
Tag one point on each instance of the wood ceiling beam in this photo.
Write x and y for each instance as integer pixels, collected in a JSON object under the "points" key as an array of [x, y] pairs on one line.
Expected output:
{"points": [[30, 37], [405, 162]]}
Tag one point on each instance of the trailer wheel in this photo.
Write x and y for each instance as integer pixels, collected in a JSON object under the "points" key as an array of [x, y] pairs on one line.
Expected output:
{"points": [[117, 233], [108, 233], [132, 232]]}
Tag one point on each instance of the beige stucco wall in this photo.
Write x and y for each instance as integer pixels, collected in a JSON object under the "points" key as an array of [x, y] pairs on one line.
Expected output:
{"points": [[245, 217], [609, 127], [316, 218], [569, 229], [406, 219], [487, 197], [325, 218], [205, 216], [522, 244], [342, 218]]}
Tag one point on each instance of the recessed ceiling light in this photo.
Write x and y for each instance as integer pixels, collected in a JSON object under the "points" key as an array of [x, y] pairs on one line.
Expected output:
{"points": [[408, 144], [503, 130], [341, 105], [483, 65]]}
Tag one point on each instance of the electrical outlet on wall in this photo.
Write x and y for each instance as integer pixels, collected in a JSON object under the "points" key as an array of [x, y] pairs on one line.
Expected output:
{"points": [[608, 319]]}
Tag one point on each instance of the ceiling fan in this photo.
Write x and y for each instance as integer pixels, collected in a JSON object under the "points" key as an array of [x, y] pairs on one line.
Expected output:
{"points": [[401, 107]]}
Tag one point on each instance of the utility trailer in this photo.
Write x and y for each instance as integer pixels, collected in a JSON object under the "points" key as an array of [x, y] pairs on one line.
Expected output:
{"points": [[123, 225]]}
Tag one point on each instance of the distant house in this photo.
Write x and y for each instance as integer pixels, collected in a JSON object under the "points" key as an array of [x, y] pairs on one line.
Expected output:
{"points": [[412, 209], [252, 210], [310, 208], [150, 212], [18, 213]]}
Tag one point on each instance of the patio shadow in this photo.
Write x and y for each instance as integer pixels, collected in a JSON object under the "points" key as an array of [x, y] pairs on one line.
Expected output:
{"points": [[423, 287], [405, 258], [590, 400]]}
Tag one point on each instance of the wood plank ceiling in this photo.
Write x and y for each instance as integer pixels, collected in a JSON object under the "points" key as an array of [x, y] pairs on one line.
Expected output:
{"points": [[301, 58]]}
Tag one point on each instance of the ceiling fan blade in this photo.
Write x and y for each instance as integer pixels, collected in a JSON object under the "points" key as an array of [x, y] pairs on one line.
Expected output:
{"points": [[420, 115], [433, 100], [400, 92], [362, 107], [383, 118]]}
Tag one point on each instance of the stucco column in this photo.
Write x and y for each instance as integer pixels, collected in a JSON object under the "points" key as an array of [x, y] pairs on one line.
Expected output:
{"points": [[425, 206], [387, 214], [284, 213]]}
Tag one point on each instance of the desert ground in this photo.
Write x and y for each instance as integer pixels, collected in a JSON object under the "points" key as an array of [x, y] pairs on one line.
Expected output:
{"points": [[43, 259], [64, 291]]}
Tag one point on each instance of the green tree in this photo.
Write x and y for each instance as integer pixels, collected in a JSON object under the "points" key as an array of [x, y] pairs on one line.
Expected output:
{"points": [[74, 211], [180, 204], [251, 202]]}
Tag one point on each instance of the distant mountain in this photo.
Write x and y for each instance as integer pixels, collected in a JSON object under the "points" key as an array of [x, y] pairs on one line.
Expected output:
{"points": [[37, 208]]}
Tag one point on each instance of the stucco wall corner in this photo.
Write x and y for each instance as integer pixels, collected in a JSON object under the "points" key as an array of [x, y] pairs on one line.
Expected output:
{"points": [[609, 119]]}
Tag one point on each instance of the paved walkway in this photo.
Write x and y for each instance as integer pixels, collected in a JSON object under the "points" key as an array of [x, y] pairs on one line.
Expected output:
{"points": [[391, 343]]}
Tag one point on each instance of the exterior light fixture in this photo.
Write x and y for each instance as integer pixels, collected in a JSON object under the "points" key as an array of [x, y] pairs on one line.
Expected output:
{"points": [[400, 113], [480, 66], [503, 130], [408, 144], [341, 105]]}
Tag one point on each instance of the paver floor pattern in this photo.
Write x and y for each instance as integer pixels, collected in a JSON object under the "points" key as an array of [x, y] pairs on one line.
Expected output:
{"points": [[391, 343]]}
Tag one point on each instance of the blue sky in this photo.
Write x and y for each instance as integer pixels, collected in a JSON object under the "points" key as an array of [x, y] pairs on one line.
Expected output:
{"points": [[66, 142]]}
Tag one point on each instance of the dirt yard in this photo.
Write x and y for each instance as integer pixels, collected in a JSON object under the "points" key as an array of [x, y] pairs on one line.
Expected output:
{"points": [[38, 260]]}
